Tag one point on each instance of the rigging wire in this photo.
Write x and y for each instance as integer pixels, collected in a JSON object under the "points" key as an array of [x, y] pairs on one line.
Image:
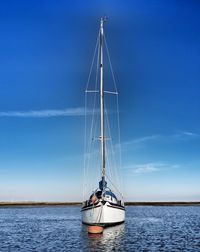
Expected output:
{"points": [[93, 58], [85, 133], [111, 68], [114, 161], [87, 157], [114, 186], [117, 100]]}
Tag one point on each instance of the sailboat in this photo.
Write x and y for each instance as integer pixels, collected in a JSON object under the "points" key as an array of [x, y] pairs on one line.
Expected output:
{"points": [[102, 207]]}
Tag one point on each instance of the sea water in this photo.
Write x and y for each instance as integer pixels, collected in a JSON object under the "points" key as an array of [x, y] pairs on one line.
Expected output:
{"points": [[147, 228]]}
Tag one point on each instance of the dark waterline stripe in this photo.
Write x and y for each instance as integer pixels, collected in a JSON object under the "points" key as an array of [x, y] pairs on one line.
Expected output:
{"points": [[88, 208], [108, 224], [118, 207]]}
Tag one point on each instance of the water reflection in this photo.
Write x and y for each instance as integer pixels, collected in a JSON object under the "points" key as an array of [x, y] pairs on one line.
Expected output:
{"points": [[110, 240]]}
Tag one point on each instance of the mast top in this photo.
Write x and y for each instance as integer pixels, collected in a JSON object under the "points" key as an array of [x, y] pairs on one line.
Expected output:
{"points": [[102, 20]]}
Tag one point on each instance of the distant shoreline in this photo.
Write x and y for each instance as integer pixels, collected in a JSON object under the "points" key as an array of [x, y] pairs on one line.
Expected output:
{"points": [[46, 204]]}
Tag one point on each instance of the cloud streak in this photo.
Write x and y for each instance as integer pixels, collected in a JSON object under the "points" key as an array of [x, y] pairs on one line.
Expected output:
{"points": [[184, 135], [162, 138], [150, 168], [142, 140], [46, 113], [146, 168]]}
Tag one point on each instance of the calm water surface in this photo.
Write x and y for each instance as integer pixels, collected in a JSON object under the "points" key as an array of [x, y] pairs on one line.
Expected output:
{"points": [[60, 229]]}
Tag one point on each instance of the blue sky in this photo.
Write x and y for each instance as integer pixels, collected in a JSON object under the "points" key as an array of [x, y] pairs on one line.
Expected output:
{"points": [[46, 50]]}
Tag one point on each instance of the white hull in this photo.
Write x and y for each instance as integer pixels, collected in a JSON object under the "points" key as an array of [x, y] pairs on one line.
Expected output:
{"points": [[103, 214]]}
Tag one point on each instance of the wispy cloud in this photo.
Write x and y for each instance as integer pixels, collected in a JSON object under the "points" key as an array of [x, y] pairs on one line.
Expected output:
{"points": [[45, 113], [150, 167], [184, 135], [141, 140], [146, 168], [188, 133], [160, 138]]}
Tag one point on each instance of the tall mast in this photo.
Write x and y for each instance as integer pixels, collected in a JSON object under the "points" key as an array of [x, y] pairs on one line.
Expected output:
{"points": [[102, 126]]}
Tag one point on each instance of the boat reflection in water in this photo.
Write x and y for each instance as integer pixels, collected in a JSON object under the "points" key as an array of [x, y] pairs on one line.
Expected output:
{"points": [[110, 240]]}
